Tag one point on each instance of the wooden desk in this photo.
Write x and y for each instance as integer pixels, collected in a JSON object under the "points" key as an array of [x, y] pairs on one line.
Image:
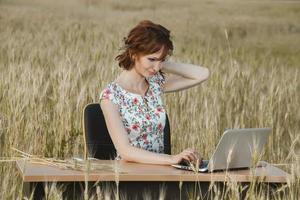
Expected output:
{"points": [[141, 174]]}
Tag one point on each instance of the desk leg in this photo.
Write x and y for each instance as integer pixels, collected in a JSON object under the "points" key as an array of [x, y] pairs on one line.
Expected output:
{"points": [[26, 189], [35, 189]]}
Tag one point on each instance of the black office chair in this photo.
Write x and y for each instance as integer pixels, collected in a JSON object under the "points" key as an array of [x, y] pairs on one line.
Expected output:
{"points": [[98, 143]]}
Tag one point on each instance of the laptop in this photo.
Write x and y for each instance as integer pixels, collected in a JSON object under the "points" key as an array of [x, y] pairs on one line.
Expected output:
{"points": [[237, 149]]}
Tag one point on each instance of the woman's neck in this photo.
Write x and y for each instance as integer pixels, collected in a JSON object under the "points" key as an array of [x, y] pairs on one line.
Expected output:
{"points": [[131, 80]]}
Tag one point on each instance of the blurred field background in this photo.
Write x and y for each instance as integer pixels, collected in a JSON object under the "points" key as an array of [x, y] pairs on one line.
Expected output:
{"points": [[56, 56]]}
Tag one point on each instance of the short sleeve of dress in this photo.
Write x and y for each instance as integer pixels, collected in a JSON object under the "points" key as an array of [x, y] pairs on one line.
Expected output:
{"points": [[157, 81], [110, 93]]}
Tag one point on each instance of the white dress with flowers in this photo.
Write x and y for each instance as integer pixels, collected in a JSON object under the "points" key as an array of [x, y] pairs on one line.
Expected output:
{"points": [[143, 117]]}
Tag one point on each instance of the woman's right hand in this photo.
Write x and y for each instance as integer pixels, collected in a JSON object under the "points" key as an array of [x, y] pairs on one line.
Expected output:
{"points": [[187, 154]]}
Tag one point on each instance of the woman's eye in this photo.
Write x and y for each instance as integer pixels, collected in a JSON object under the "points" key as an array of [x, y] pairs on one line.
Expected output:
{"points": [[151, 59]]}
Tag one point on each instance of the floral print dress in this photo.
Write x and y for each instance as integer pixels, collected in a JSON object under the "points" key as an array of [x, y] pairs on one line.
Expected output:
{"points": [[143, 116]]}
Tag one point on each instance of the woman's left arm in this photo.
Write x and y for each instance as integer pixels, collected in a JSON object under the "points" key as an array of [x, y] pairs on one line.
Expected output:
{"points": [[180, 76]]}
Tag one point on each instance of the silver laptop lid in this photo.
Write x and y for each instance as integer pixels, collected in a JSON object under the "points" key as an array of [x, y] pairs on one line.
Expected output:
{"points": [[238, 148]]}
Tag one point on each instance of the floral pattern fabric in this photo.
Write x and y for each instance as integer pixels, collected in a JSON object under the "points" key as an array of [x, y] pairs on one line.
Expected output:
{"points": [[143, 116]]}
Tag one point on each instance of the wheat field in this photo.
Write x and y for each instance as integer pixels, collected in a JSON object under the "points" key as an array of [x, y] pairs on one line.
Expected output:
{"points": [[56, 56]]}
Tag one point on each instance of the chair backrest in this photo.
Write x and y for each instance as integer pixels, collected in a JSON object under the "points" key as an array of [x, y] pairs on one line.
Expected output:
{"points": [[98, 143]]}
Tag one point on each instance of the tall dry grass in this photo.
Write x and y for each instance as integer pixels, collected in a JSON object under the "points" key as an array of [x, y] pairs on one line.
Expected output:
{"points": [[55, 57]]}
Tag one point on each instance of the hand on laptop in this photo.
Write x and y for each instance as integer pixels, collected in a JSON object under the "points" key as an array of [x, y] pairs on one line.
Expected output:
{"points": [[189, 155]]}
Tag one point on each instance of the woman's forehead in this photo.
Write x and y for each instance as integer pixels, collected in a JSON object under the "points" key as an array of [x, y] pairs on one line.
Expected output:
{"points": [[157, 54]]}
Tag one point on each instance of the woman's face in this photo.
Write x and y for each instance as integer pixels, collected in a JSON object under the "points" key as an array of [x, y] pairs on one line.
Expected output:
{"points": [[148, 65]]}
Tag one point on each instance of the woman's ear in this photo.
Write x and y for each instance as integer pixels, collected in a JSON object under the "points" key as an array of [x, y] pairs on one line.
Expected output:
{"points": [[133, 57]]}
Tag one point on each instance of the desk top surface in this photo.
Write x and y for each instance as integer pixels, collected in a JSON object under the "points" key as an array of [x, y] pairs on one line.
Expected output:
{"points": [[111, 170]]}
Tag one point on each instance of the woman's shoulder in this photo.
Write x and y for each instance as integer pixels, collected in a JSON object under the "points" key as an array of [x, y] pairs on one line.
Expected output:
{"points": [[112, 92]]}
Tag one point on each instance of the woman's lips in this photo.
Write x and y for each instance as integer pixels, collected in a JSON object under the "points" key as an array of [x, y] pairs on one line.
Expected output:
{"points": [[152, 73]]}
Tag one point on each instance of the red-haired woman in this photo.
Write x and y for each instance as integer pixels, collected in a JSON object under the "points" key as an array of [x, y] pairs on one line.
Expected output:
{"points": [[132, 104]]}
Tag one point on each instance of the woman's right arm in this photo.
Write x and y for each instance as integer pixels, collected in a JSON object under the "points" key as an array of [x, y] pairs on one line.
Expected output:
{"points": [[119, 137]]}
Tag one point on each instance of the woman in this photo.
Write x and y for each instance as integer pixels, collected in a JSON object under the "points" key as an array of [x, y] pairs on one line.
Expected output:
{"points": [[132, 105]]}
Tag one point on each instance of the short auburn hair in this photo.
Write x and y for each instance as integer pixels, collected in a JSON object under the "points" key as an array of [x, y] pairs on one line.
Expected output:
{"points": [[145, 38]]}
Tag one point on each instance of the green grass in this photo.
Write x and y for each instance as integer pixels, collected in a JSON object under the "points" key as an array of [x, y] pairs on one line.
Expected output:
{"points": [[56, 57]]}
